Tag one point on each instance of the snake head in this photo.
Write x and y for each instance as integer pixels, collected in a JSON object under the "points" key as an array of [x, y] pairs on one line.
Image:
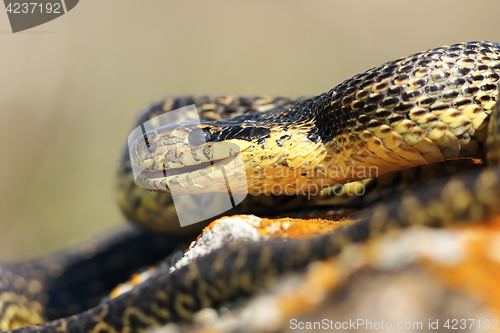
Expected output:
{"points": [[194, 157]]}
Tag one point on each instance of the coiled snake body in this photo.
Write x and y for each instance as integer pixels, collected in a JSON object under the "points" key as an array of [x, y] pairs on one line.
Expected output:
{"points": [[425, 108]]}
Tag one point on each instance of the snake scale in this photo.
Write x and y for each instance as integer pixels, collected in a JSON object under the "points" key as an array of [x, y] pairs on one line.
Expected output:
{"points": [[425, 108]]}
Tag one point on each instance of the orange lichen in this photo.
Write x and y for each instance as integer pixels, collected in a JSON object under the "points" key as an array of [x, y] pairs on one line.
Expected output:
{"points": [[116, 291], [478, 273], [292, 227], [296, 228], [134, 280]]}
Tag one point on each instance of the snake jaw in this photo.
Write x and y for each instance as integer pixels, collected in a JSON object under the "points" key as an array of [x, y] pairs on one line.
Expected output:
{"points": [[217, 176], [185, 169], [241, 144]]}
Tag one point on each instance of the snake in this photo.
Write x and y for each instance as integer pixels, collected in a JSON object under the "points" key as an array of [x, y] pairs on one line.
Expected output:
{"points": [[422, 109]]}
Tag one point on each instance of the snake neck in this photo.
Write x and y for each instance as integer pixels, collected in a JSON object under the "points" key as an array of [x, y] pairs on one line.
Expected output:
{"points": [[420, 109]]}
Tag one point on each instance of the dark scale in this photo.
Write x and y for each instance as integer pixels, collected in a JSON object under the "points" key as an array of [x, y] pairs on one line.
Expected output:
{"points": [[354, 114], [347, 100], [381, 86], [420, 83], [425, 63], [394, 118], [345, 110], [382, 114], [489, 87], [358, 105], [460, 103], [468, 61], [354, 83], [470, 53], [481, 67], [374, 124], [406, 69], [449, 96], [371, 76], [314, 137], [369, 109], [434, 88], [428, 101], [469, 90], [367, 84], [461, 71], [403, 107], [349, 124], [410, 95], [482, 99], [452, 55], [419, 113], [389, 102], [440, 107], [390, 68], [394, 91], [375, 99], [486, 51], [385, 76], [358, 129], [362, 94], [440, 76], [494, 76], [456, 82], [496, 67], [475, 79]]}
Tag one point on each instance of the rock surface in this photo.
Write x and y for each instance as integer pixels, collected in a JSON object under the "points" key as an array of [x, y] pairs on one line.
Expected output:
{"points": [[414, 279]]}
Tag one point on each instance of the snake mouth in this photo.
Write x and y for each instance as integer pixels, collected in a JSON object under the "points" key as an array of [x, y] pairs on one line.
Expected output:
{"points": [[184, 170], [205, 177], [191, 170]]}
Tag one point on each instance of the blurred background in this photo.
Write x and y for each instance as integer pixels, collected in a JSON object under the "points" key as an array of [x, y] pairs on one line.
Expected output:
{"points": [[71, 88]]}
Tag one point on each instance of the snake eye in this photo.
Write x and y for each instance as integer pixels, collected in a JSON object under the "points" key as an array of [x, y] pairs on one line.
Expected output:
{"points": [[199, 137]]}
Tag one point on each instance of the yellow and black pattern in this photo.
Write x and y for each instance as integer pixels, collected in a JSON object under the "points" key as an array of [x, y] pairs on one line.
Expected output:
{"points": [[421, 109], [69, 282], [416, 110]]}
